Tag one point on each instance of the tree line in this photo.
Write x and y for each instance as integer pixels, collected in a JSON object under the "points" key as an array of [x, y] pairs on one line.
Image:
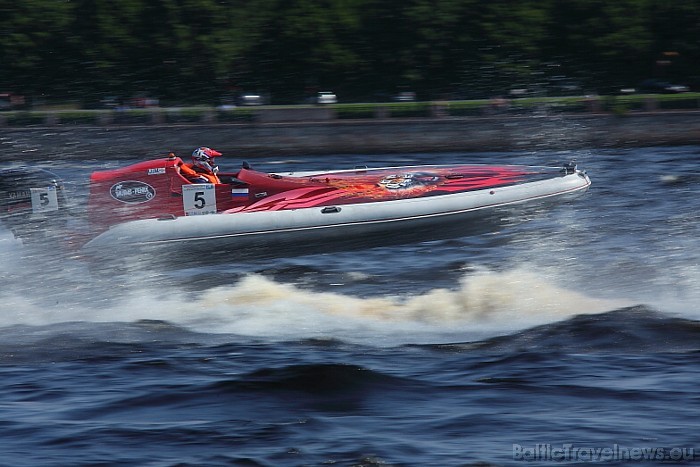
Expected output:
{"points": [[198, 50]]}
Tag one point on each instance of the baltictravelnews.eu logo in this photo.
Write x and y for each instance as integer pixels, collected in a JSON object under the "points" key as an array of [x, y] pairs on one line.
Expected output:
{"points": [[570, 453]]}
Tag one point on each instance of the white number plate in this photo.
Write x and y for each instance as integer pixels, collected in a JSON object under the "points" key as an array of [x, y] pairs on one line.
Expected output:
{"points": [[199, 198], [44, 199]]}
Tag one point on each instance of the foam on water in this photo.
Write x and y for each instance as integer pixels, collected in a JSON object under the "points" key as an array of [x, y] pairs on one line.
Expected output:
{"points": [[483, 303], [486, 302]]}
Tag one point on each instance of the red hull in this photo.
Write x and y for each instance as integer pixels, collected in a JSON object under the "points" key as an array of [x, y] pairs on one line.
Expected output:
{"points": [[154, 189]]}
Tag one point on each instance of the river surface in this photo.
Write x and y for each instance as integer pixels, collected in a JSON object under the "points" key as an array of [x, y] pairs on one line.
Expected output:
{"points": [[568, 337]]}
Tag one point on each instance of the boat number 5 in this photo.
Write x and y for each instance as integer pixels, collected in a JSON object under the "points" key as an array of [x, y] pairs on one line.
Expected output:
{"points": [[199, 198], [199, 201], [44, 199]]}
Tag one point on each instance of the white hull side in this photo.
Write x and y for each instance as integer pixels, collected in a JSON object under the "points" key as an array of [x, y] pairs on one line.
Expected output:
{"points": [[308, 225]]}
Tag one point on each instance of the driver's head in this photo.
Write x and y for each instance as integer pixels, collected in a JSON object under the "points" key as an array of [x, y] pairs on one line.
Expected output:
{"points": [[204, 159]]}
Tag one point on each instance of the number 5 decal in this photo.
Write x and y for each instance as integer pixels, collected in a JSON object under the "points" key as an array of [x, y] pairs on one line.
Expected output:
{"points": [[199, 201], [44, 199], [199, 198]]}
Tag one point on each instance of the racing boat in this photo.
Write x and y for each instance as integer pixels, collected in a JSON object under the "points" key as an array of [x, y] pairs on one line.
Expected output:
{"points": [[150, 206]]}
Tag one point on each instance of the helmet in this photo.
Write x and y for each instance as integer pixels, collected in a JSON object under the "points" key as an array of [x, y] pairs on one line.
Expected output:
{"points": [[203, 158]]}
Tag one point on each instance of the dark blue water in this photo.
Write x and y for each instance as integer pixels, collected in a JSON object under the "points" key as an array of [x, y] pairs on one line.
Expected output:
{"points": [[566, 337]]}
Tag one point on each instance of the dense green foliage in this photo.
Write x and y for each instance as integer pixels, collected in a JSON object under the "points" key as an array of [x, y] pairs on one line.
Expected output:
{"points": [[198, 50]]}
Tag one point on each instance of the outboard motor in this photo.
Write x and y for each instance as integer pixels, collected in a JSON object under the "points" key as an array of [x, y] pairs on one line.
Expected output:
{"points": [[32, 203]]}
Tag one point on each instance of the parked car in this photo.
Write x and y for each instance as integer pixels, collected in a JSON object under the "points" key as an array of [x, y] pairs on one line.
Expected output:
{"points": [[110, 102], [405, 96], [250, 98], [326, 97], [656, 86], [143, 102], [520, 91], [11, 101], [563, 86]]}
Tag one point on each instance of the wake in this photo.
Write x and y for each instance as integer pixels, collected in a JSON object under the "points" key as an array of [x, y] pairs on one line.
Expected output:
{"points": [[483, 304]]}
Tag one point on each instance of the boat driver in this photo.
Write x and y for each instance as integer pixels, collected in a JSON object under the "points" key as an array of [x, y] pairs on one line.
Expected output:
{"points": [[203, 169]]}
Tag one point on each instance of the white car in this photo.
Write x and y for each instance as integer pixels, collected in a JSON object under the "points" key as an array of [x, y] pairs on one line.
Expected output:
{"points": [[326, 97], [251, 99]]}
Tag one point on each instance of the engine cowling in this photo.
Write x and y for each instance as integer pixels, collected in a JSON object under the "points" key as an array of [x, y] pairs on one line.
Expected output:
{"points": [[32, 202]]}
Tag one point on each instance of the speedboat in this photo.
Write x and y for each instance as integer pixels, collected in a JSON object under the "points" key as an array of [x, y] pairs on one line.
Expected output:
{"points": [[150, 207]]}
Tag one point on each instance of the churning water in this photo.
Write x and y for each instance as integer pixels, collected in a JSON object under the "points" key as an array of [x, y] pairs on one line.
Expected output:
{"points": [[568, 333]]}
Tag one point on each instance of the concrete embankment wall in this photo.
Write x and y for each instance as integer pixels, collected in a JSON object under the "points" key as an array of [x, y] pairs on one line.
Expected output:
{"points": [[533, 132]]}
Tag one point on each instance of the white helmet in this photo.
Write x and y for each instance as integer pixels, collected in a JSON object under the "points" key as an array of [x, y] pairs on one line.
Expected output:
{"points": [[204, 159]]}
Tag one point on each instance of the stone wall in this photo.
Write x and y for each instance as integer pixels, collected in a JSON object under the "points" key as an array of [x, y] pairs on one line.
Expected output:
{"points": [[450, 134]]}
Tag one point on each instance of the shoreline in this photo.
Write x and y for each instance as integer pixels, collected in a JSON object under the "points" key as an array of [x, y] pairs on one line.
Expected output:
{"points": [[365, 136]]}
